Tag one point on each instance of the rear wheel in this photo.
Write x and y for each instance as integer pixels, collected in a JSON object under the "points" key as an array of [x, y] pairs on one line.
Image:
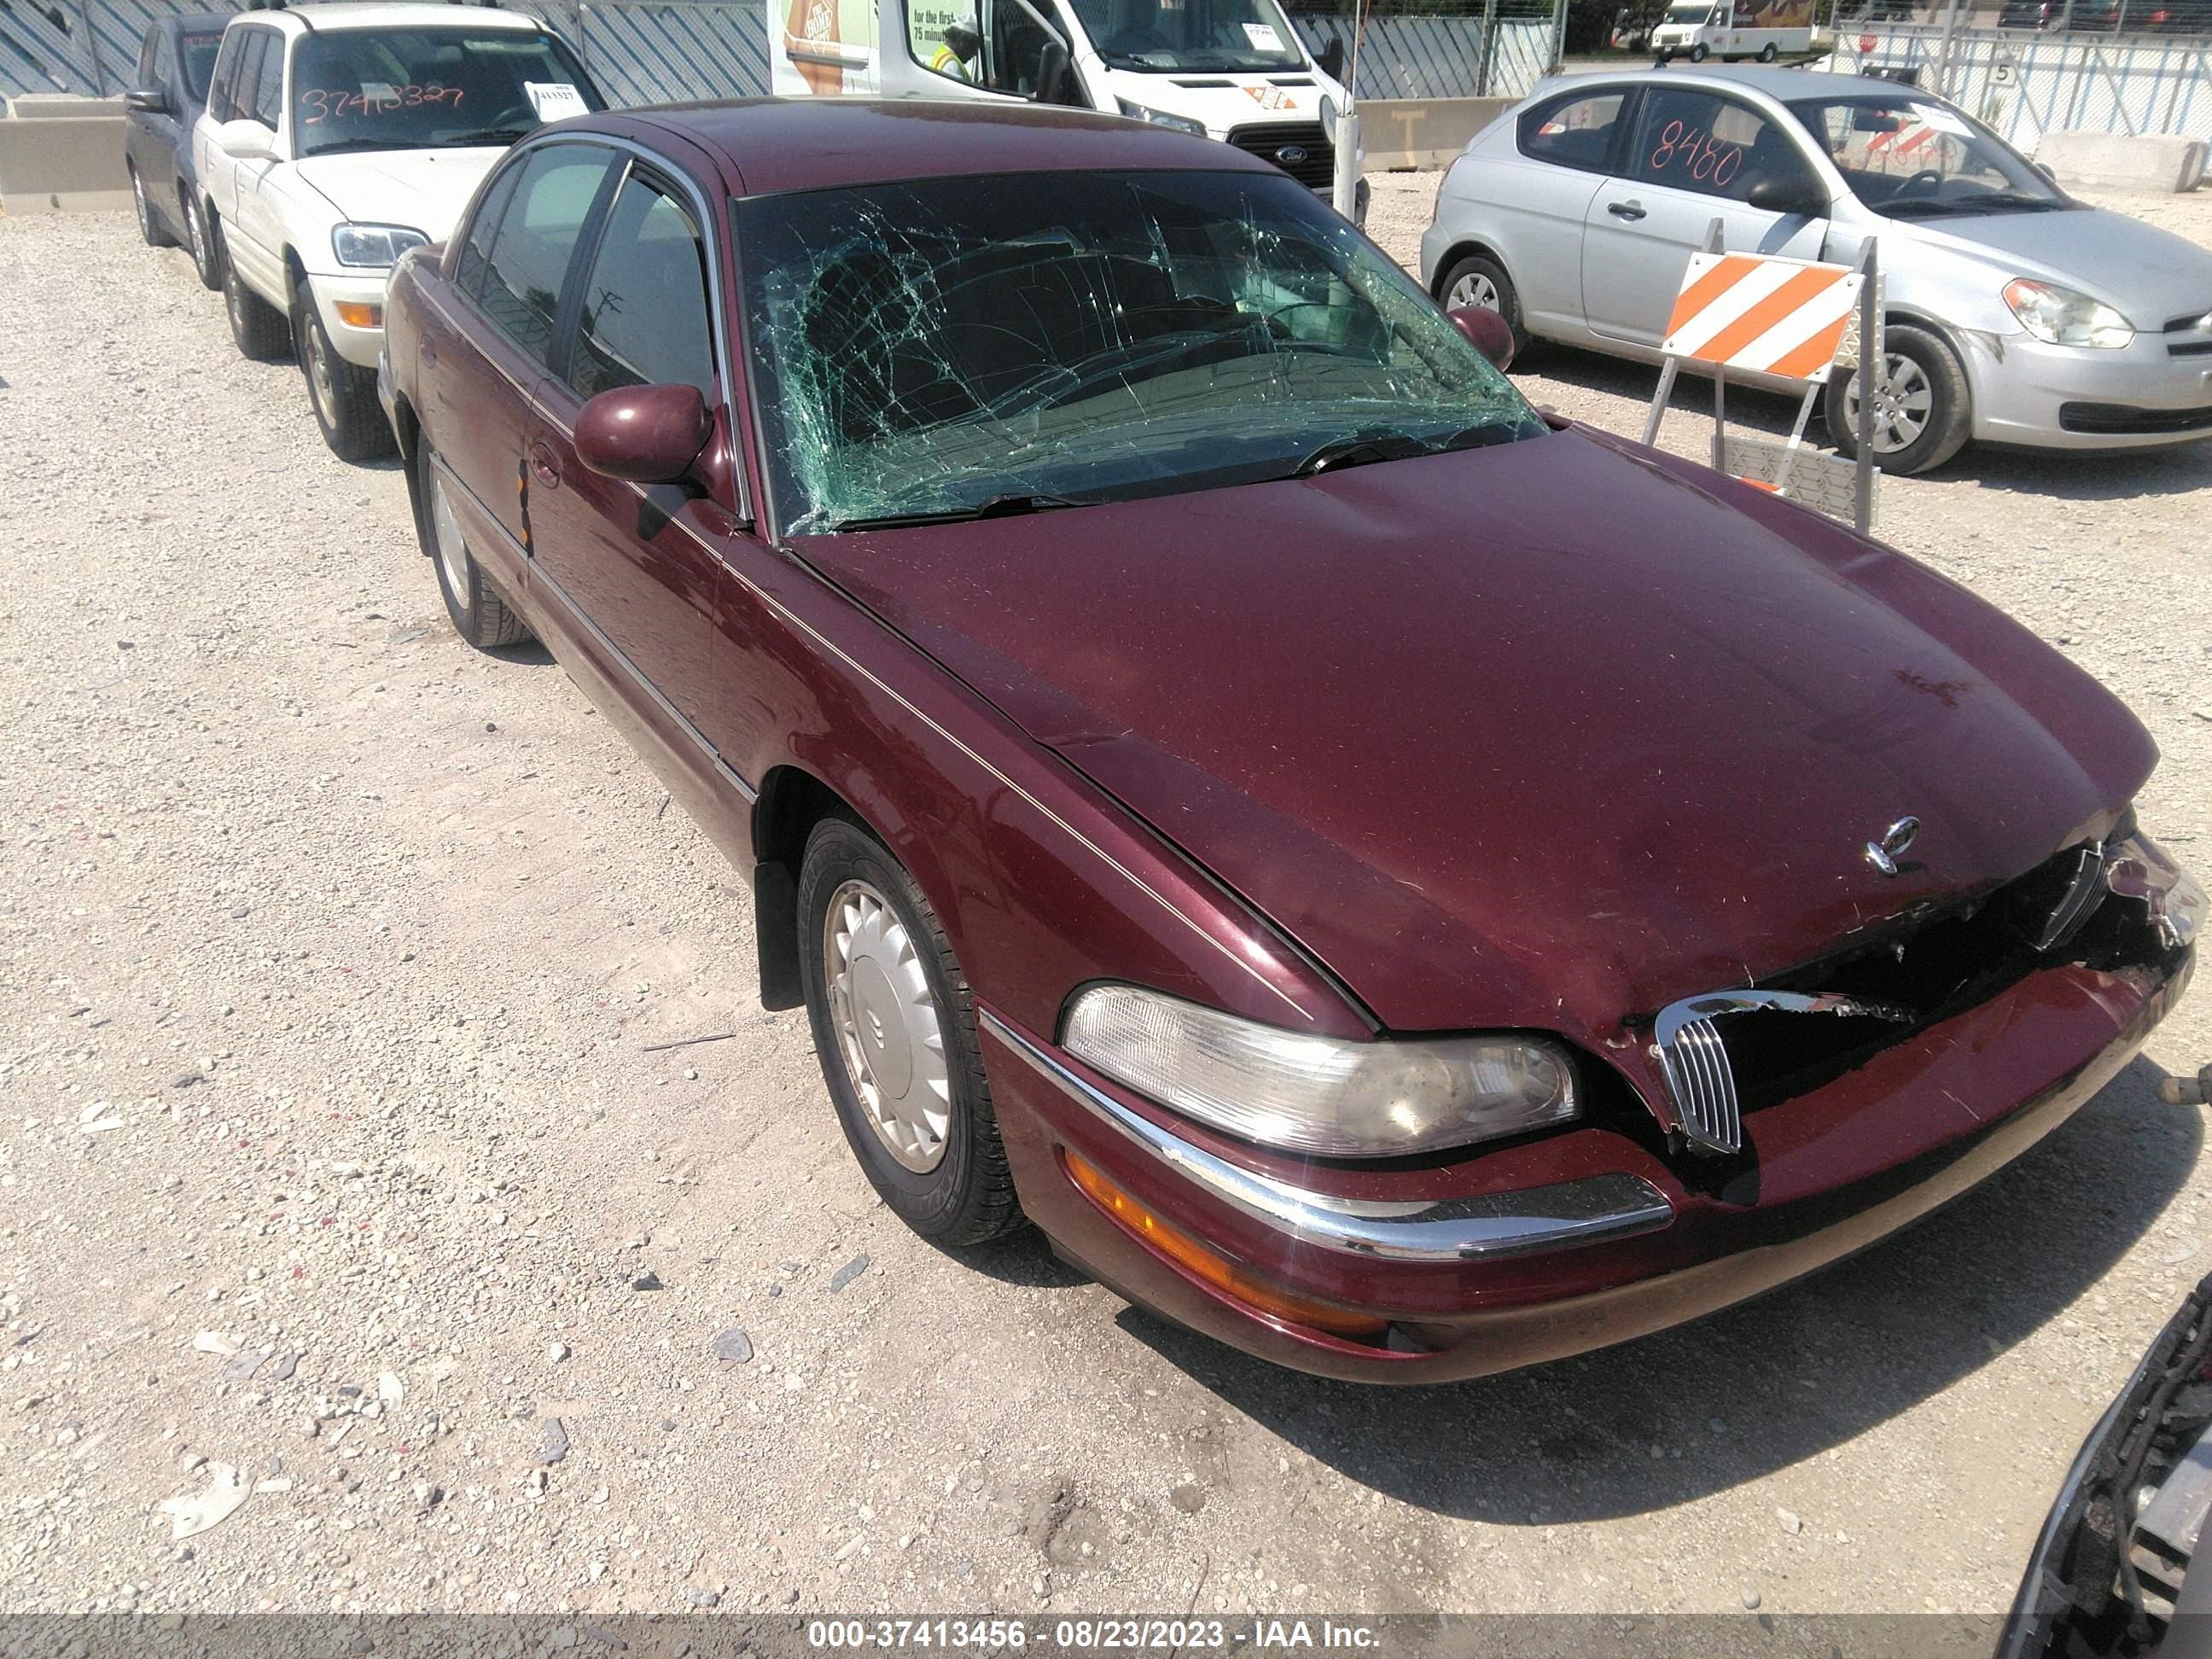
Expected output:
{"points": [[259, 327], [1767, 53], [1921, 413], [155, 234], [343, 394], [894, 1029], [1477, 280], [479, 611]]}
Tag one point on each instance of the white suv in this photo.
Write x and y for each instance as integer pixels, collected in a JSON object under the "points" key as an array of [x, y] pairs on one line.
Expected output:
{"points": [[336, 137]]}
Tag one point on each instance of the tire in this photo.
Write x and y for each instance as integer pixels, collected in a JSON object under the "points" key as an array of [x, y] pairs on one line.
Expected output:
{"points": [[1929, 424], [262, 333], [198, 243], [1698, 54], [155, 234], [1767, 54], [941, 1167], [479, 611], [342, 394], [1476, 279]]}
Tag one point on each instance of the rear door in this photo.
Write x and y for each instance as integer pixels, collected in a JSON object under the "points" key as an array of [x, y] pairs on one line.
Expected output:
{"points": [[1692, 155], [482, 373], [637, 561]]}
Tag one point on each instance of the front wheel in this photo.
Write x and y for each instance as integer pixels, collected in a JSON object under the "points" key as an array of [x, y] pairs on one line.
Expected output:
{"points": [[343, 394], [894, 1029], [149, 227], [1698, 54], [1921, 413]]}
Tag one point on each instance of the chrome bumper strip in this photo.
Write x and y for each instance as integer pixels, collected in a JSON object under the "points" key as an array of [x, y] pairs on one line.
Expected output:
{"points": [[1491, 1227]]}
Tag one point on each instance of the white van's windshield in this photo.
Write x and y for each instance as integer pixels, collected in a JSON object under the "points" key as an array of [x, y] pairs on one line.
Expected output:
{"points": [[1690, 15], [1150, 35]]}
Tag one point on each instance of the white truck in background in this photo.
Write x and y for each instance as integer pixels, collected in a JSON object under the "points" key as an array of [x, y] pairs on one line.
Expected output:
{"points": [[1230, 70], [1732, 29]]}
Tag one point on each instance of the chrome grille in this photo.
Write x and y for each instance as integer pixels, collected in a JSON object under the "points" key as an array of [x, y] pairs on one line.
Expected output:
{"points": [[1701, 1080], [1703, 1084]]}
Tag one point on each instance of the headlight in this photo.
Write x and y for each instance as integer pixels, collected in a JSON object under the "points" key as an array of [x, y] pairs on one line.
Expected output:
{"points": [[1313, 1094], [373, 247], [2059, 316], [1160, 118]]}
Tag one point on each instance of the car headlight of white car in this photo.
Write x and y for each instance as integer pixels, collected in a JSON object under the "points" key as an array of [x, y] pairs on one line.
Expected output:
{"points": [[2059, 316], [1160, 118], [1322, 1095], [373, 247]]}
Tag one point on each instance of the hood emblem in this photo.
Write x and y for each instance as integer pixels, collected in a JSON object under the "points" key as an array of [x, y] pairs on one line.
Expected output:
{"points": [[1884, 852], [1290, 154]]}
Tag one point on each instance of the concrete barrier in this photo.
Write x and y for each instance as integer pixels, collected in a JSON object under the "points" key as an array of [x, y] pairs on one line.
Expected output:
{"points": [[2161, 162], [1423, 132], [59, 153]]}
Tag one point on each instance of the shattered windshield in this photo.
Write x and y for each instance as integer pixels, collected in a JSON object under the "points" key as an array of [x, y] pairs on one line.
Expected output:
{"points": [[1190, 34], [957, 347]]}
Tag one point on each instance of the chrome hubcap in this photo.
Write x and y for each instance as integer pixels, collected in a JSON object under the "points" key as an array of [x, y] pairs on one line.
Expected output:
{"points": [[453, 546], [138, 201], [199, 238], [1902, 404], [319, 369], [887, 1027], [1473, 289]]}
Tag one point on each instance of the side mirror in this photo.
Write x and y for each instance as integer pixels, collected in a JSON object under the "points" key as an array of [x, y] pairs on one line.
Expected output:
{"points": [[1331, 61], [147, 100], [2044, 168], [1053, 64], [1787, 195], [245, 141], [1486, 332], [645, 433]]}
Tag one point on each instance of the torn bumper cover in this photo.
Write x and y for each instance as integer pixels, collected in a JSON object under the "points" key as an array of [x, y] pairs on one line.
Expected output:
{"points": [[1533, 1249]]}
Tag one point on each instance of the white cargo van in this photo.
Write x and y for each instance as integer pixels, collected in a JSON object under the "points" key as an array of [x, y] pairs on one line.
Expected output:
{"points": [[1231, 70], [1729, 29]]}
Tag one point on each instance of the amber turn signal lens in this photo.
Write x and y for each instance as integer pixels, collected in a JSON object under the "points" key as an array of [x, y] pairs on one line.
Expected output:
{"points": [[1206, 1263], [355, 314]]}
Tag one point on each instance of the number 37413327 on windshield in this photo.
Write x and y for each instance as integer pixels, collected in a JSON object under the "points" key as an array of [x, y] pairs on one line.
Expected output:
{"points": [[319, 104]]}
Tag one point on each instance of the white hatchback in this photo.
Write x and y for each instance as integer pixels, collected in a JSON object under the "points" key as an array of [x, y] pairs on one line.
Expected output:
{"points": [[336, 137]]}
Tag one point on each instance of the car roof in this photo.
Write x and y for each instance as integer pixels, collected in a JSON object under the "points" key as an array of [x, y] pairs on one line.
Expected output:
{"points": [[1786, 85], [373, 14], [768, 146], [196, 22]]}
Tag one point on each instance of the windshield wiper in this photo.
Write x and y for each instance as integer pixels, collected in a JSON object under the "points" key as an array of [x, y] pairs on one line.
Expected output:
{"points": [[1990, 201], [337, 146], [1360, 449], [489, 136], [1009, 506]]}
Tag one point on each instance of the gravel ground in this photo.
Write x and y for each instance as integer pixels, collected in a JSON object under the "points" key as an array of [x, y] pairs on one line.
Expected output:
{"points": [[336, 1164]]}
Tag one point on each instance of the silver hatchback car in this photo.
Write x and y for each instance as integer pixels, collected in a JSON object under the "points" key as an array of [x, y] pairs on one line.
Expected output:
{"points": [[2012, 313]]}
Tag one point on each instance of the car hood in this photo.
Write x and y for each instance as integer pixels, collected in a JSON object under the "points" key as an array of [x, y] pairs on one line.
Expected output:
{"points": [[1547, 734], [2151, 276], [424, 189]]}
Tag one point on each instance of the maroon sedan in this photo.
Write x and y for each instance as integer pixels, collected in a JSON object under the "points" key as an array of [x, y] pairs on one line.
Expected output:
{"points": [[1407, 885]]}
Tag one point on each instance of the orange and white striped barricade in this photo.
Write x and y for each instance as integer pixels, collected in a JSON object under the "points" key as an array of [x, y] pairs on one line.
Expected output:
{"points": [[1789, 319]]}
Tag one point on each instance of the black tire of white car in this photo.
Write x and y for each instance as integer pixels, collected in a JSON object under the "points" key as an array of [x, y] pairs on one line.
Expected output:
{"points": [[1483, 269], [478, 611], [342, 394], [260, 330], [155, 234], [1949, 421], [966, 1196]]}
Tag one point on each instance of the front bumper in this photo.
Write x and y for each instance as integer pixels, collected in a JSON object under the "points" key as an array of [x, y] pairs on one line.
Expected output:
{"points": [[357, 345], [2073, 398], [1537, 1251]]}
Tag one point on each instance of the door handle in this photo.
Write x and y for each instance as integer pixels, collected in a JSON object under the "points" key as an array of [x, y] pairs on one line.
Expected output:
{"points": [[1624, 210], [542, 464]]}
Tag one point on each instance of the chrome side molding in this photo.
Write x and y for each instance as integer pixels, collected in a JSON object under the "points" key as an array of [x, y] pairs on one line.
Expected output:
{"points": [[1491, 1227]]}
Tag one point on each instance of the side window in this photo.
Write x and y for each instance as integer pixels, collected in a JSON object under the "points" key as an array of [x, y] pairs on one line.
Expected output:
{"points": [[226, 74], [148, 73], [242, 74], [1698, 141], [997, 44], [475, 248], [941, 36], [535, 238], [269, 88], [644, 320], [1576, 131]]}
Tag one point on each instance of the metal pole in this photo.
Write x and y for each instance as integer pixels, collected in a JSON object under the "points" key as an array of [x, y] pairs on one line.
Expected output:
{"points": [[92, 49], [1720, 417], [1871, 363], [1943, 51], [1488, 51], [1344, 193], [1559, 36], [1659, 402]]}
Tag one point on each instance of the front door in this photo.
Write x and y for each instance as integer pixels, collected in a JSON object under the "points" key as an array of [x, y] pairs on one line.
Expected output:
{"points": [[636, 560], [1694, 156]]}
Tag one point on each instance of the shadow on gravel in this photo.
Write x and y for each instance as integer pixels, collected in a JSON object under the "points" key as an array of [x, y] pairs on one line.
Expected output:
{"points": [[1025, 1259], [1708, 1405], [1623, 377], [529, 654]]}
